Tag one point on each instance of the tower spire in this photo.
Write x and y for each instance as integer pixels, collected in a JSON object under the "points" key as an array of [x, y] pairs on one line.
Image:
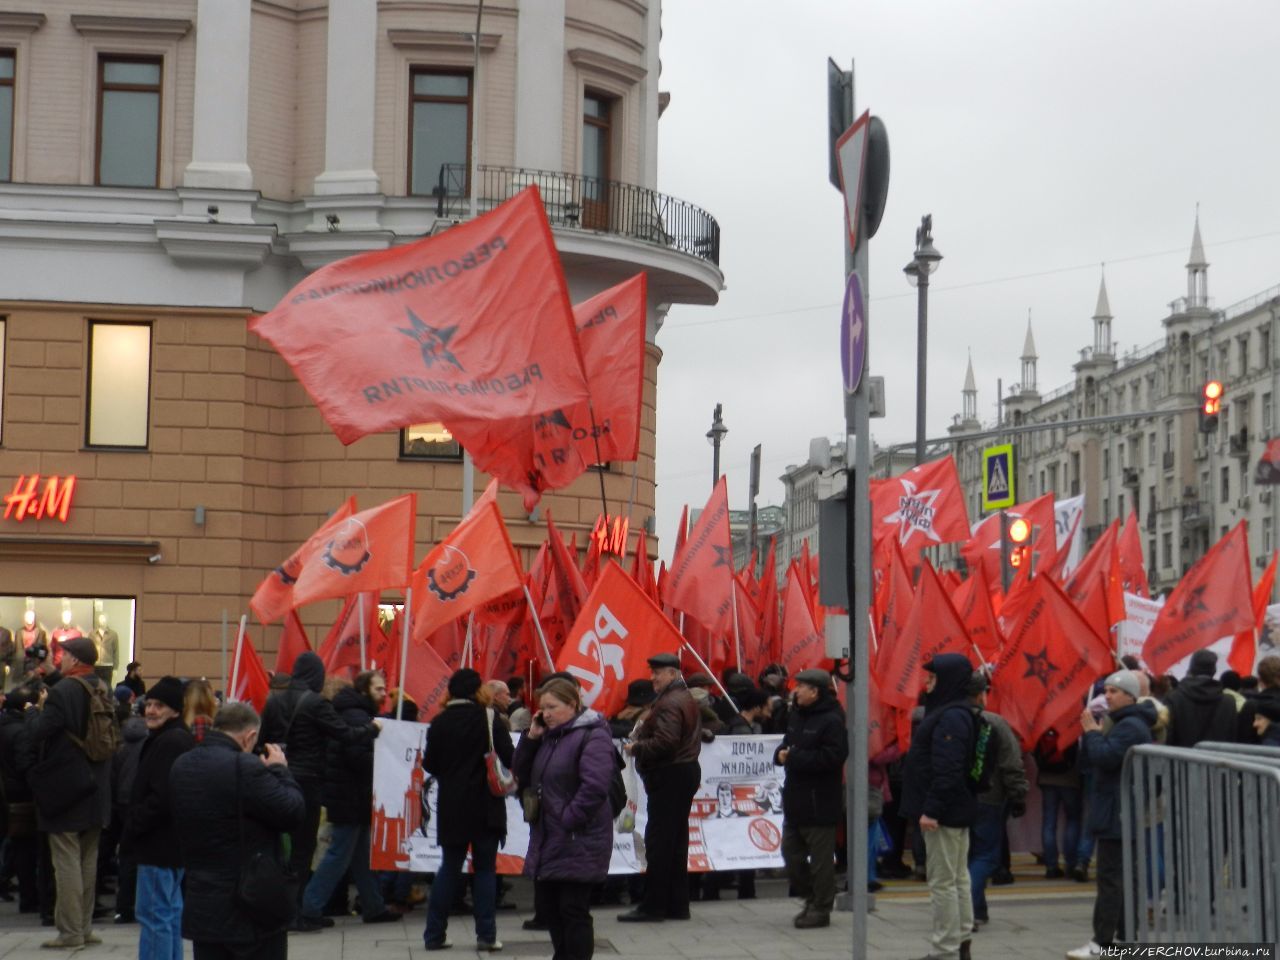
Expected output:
{"points": [[1197, 270], [1029, 359], [969, 395], [1102, 319]]}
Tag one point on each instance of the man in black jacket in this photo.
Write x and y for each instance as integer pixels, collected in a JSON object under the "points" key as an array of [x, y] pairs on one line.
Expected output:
{"points": [[150, 834], [305, 723], [1199, 710], [231, 805], [813, 752], [936, 792], [1268, 692]]}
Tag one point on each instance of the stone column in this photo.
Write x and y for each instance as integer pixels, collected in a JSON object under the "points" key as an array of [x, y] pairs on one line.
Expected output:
{"points": [[350, 90], [220, 137]]}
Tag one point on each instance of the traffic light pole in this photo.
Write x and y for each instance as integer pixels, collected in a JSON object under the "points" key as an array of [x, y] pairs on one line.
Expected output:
{"points": [[1006, 573]]}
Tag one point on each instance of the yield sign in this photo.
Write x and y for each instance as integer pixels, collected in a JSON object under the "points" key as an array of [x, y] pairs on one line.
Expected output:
{"points": [[853, 334], [851, 157]]}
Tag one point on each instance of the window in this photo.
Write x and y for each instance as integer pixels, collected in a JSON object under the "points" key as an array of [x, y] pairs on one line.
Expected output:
{"points": [[6, 115], [1151, 501], [1264, 347], [1166, 546], [1242, 346], [440, 133], [1168, 436], [1106, 463], [1266, 414], [128, 122], [597, 141], [1225, 487], [429, 441], [119, 384], [1151, 450], [1120, 506], [1266, 535], [3, 332]]}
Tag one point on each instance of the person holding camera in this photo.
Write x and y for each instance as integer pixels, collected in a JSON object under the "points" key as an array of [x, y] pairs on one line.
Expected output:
{"points": [[565, 763]]}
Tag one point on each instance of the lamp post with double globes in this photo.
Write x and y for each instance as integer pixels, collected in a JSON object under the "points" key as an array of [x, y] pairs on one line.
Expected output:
{"points": [[714, 436], [924, 262]]}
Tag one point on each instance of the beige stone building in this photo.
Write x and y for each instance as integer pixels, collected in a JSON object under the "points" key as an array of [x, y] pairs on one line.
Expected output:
{"points": [[169, 170]]}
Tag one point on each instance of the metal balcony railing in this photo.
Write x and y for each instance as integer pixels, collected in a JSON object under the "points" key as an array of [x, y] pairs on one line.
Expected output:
{"points": [[588, 203]]}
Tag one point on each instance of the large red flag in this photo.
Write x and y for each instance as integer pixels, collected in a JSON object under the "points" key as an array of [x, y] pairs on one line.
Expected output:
{"points": [[1212, 600], [340, 649], [972, 601], [503, 634], [770, 621], [932, 628], [750, 643], [1133, 573], [610, 643], [802, 644], [250, 683], [702, 569], [274, 596], [893, 602], [293, 641], [1095, 586], [549, 451], [921, 507], [1244, 649], [563, 592], [368, 551], [472, 324], [426, 679]]}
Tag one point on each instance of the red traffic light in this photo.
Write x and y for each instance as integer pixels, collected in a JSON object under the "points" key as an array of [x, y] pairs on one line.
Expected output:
{"points": [[1019, 531], [1212, 397]]}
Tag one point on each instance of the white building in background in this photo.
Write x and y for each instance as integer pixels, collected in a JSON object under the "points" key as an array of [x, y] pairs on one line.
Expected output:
{"points": [[1187, 487]]}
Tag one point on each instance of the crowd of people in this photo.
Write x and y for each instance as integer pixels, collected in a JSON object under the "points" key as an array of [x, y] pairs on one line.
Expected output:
{"points": [[203, 818]]}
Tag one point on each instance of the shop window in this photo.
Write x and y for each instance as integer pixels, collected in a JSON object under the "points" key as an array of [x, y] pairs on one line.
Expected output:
{"points": [[4, 336], [46, 621], [6, 114], [429, 441], [440, 133], [128, 153], [119, 392]]}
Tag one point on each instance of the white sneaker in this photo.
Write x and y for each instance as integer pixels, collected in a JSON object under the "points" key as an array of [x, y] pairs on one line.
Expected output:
{"points": [[485, 946], [1090, 949]]}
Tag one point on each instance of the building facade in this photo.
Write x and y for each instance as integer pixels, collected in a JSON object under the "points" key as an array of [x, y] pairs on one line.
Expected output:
{"points": [[167, 171], [1187, 487]]}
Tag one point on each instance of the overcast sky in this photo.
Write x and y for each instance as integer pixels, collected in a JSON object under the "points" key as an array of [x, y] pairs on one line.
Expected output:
{"points": [[1044, 138]]}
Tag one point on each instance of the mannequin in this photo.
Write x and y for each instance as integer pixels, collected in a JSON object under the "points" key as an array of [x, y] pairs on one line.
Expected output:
{"points": [[107, 642], [64, 632], [10, 657], [31, 635]]}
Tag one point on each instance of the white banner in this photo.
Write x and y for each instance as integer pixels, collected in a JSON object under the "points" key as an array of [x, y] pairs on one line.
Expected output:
{"points": [[735, 822], [1139, 616], [1068, 522]]}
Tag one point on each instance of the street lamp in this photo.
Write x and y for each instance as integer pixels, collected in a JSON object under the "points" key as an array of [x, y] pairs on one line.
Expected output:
{"points": [[924, 262], [714, 436]]}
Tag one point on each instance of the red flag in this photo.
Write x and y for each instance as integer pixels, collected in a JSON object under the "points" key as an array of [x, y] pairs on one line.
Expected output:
{"points": [[340, 649], [448, 641], [1049, 662], [893, 603], [642, 568], [274, 596], [749, 641], [564, 591], [1212, 600], [426, 679], [549, 451], [802, 644], [472, 324], [973, 602], [250, 683], [1133, 574], [616, 633], [1244, 649], [983, 547], [293, 641], [368, 551], [701, 572], [770, 621], [933, 627], [1095, 586], [682, 530], [474, 564], [504, 636], [921, 507]]}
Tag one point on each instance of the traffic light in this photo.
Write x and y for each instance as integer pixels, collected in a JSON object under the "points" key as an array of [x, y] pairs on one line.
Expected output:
{"points": [[1019, 542], [1210, 405]]}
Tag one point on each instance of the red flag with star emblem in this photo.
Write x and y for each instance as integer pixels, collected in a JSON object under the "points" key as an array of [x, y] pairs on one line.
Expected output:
{"points": [[369, 550], [921, 507], [274, 596], [933, 627], [1212, 600], [699, 581], [471, 324]]}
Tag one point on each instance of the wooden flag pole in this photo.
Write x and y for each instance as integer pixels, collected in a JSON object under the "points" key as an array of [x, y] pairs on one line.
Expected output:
{"points": [[364, 640], [537, 625], [230, 694], [404, 650], [714, 679]]}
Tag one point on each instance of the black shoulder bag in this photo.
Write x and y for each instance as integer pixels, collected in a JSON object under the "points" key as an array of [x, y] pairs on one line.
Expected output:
{"points": [[265, 890]]}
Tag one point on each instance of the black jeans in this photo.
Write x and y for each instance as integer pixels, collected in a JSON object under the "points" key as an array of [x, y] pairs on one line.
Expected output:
{"points": [[304, 841], [568, 914], [809, 853], [272, 947], [666, 839], [1108, 908]]}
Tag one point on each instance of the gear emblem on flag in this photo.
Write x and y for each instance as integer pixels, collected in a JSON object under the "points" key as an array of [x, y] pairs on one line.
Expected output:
{"points": [[348, 551], [452, 576]]}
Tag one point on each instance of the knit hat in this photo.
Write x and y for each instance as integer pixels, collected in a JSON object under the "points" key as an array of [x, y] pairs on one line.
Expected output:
{"points": [[464, 684], [1123, 680], [1204, 663], [750, 698], [82, 648], [167, 690], [815, 678], [640, 693]]}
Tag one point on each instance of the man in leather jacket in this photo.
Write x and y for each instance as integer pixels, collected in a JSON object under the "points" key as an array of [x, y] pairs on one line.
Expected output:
{"points": [[665, 750]]}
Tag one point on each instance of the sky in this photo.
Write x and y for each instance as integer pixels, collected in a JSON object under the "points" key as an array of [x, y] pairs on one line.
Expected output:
{"points": [[1045, 140]]}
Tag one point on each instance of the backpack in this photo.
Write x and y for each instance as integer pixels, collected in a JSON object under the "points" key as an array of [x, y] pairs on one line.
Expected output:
{"points": [[983, 752], [617, 794], [101, 732]]}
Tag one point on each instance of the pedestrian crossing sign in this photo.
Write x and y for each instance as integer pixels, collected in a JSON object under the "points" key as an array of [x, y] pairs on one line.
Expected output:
{"points": [[998, 477]]}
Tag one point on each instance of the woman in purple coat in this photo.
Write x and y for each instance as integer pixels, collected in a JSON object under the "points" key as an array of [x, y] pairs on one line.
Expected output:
{"points": [[567, 759]]}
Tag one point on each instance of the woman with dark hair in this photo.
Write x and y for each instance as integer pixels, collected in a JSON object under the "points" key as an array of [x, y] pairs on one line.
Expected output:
{"points": [[467, 814], [567, 761]]}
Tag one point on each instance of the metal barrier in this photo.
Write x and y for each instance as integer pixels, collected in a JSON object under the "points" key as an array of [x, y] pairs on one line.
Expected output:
{"points": [[1201, 841]]}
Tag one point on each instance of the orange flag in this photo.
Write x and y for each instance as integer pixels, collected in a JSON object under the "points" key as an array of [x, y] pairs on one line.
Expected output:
{"points": [[702, 570], [1244, 649], [893, 601], [293, 641], [770, 624], [250, 683], [426, 679], [610, 643], [274, 596], [472, 324], [1212, 600], [340, 649], [368, 551], [471, 566], [1133, 574], [504, 636], [921, 507], [933, 627], [802, 644]]}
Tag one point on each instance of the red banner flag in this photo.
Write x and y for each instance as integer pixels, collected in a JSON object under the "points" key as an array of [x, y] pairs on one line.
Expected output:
{"points": [[802, 643], [893, 601], [564, 591], [1212, 600], [642, 568], [1095, 586], [551, 450], [933, 628], [340, 649], [921, 507], [250, 683], [293, 641], [368, 551], [503, 635], [702, 571], [972, 600], [274, 596], [1133, 574], [426, 679], [610, 643], [472, 324], [1244, 649], [750, 644]]}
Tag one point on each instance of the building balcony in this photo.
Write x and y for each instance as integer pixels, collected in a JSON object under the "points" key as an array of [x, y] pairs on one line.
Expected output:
{"points": [[1238, 444], [1168, 460], [1195, 515], [1130, 476]]}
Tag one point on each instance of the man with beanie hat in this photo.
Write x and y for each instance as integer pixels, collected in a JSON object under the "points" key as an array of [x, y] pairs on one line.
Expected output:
{"points": [[1199, 710], [813, 752], [150, 833], [55, 736], [1102, 757]]}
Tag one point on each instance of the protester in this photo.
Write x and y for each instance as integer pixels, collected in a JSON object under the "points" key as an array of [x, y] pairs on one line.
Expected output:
{"points": [[124, 773], [348, 798], [812, 752], [500, 697], [133, 679], [937, 794], [199, 706], [1060, 799], [64, 770], [753, 713], [1268, 692], [233, 806], [567, 760], [1266, 723], [640, 696], [467, 814], [665, 750], [1198, 709], [773, 681], [24, 844], [1102, 755]]}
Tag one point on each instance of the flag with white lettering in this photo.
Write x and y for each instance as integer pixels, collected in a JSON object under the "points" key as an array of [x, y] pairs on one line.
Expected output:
{"points": [[921, 507]]}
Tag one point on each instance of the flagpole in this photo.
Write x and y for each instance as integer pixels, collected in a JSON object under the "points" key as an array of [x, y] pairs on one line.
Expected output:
{"points": [[737, 638], [537, 625], [468, 653], [230, 693], [714, 679], [404, 650], [224, 651], [364, 663], [595, 438]]}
